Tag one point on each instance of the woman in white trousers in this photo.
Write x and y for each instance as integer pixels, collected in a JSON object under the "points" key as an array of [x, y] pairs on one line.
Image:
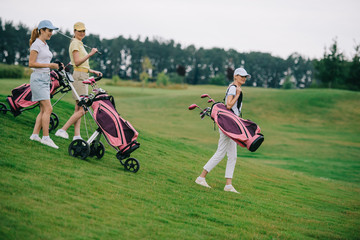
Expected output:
{"points": [[226, 145]]}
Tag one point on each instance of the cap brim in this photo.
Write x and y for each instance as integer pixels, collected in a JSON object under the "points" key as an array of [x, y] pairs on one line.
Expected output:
{"points": [[50, 27]]}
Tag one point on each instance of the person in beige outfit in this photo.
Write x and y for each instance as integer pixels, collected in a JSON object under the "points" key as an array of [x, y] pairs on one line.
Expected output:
{"points": [[80, 60]]}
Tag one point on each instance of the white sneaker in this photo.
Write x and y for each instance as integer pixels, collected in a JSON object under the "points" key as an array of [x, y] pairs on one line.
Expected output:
{"points": [[202, 182], [49, 142], [62, 133], [77, 137], [35, 138], [230, 189]]}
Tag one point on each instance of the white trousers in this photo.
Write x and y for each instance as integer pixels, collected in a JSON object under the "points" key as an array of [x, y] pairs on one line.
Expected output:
{"points": [[225, 145]]}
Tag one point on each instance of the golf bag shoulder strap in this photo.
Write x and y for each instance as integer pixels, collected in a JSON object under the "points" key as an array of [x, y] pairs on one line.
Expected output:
{"points": [[239, 101], [227, 90]]}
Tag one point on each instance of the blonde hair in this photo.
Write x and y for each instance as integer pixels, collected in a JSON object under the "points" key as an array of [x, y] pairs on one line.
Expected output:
{"points": [[34, 36]]}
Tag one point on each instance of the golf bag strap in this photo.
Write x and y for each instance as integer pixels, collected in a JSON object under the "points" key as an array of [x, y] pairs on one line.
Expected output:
{"points": [[239, 101]]}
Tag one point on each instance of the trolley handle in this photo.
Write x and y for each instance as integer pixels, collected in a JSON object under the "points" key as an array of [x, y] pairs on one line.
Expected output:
{"points": [[89, 81], [60, 65], [98, 78]]}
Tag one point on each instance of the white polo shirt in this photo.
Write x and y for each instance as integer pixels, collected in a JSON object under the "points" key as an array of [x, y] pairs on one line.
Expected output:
{"points": [[44, 55], [232, 91]]}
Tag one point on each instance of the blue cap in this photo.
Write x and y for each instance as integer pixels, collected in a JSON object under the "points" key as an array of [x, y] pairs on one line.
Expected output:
{"points": [[47, 24]]}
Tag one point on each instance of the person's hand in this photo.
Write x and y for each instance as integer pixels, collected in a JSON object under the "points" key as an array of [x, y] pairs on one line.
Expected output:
{"points": [[93, 51], [238, 90], [54, 66], [97, 73], [60, 66]]}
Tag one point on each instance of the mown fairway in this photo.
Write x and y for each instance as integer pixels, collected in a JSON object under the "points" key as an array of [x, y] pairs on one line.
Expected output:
{"points": [[303, 182]]}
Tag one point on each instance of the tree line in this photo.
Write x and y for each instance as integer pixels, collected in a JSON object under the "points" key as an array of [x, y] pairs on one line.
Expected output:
{"points": [[140, 60]]}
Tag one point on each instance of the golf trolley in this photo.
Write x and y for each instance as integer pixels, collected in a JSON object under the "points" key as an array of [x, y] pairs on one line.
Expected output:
{"points": [[118, 132], [20, 100], [244, 132]]}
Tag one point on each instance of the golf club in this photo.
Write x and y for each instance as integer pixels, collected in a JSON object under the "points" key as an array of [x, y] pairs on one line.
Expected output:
{"points": [[193, 106], [210, 99], [204, 113], [71, 39]]}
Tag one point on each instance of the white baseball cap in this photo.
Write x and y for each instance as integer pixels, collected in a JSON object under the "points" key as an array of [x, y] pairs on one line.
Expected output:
{"points": [[242, 72]]}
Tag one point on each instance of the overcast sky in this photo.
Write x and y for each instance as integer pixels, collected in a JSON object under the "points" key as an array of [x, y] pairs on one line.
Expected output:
{"points": [[279, 27]]}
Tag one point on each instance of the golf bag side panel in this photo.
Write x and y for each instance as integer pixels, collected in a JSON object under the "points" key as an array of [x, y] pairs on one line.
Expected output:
{"points": [[229, 125], [21, 97], [118, 131]]}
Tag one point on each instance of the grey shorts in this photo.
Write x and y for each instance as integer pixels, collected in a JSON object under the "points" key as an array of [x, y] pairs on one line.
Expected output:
{"points": [[81, 89], [40, 86]]}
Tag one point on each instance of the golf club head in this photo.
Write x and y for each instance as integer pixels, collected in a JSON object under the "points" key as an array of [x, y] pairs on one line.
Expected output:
{"points": [[193, 106], [205, 95], [204, 113]]}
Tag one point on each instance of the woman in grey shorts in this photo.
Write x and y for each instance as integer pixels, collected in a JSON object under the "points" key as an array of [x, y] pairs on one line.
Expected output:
{"points": [[80, 60], [39, 61]]}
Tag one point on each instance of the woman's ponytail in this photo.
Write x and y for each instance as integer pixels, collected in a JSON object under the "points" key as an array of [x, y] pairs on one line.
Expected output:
{"points": [[34, 36]]}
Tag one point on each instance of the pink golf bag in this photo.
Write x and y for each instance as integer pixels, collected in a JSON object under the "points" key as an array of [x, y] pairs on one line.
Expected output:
{"points": [[119, 132], [21, 96], [244, 132]]}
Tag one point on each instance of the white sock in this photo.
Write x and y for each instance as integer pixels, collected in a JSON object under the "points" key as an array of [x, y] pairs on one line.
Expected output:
{"points": [[227, 186], [34, 135], [201, 178], [45, 137]]}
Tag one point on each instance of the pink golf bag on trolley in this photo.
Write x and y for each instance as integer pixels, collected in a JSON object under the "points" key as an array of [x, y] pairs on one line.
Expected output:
{"points": [[21, 96], [119, 132], [244, 132]]}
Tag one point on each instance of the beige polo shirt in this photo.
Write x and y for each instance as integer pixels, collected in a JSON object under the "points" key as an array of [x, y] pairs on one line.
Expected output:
{"points": [[77, 45]]}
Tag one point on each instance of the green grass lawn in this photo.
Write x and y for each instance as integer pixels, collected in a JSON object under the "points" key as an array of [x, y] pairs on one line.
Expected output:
{"points": [[302, 183]]}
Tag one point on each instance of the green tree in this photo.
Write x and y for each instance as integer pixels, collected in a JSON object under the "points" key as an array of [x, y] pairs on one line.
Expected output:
{"points": [[329, 70], [147, 68], [162, 79], [10, 39], [287, 83], [301, 68], [353, 77], [144, 78], [219, 79]]}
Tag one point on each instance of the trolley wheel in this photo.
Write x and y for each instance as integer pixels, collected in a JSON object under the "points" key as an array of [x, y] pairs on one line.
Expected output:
{"points": [[132, 165], [3, 108], [54, 122], [97, 151], [79, 148]]}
